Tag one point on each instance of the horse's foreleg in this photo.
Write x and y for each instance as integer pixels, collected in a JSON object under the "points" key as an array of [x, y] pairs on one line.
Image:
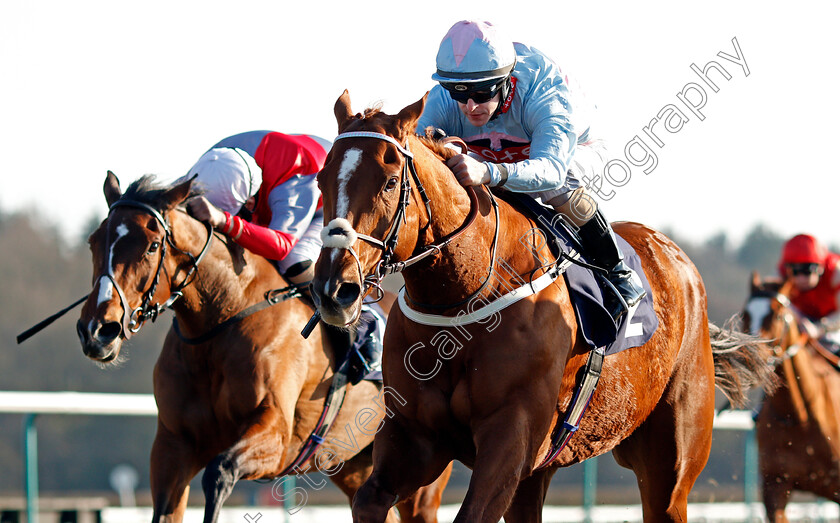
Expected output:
{"points": [[504, 444], [404, 459], [355, 471], [173, 465], [255, 455], [529, 498], [423, 505], [776, 495], [218, 481]]}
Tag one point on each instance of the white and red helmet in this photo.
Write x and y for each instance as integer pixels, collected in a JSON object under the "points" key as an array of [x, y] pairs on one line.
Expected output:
{"points": [[228, 177]]}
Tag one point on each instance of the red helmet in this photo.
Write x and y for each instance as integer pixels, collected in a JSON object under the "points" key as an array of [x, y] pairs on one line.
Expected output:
{"points": [[802, 248]]}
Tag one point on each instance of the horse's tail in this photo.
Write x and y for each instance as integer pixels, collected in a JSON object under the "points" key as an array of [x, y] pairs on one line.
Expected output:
{"points": [[742, 362]]}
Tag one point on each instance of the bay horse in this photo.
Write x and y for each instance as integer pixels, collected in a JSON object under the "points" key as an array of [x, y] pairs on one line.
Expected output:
{"points": [[490, 393], [239, 400], [798, 427]]}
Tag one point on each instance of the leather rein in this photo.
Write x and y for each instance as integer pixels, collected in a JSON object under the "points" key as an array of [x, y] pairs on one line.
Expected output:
{"points": [[805, 339], [388, 244]]}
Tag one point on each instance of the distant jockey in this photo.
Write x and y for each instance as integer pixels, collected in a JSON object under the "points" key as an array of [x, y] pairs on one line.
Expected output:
{"points": [[815, 272]]}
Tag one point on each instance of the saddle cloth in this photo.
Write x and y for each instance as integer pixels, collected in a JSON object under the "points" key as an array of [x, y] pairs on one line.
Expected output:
{"points": [[585, 291]]}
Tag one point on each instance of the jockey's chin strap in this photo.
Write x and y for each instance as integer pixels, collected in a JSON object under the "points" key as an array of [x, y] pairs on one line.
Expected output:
{"points": [[133, 319], [389, 243]]}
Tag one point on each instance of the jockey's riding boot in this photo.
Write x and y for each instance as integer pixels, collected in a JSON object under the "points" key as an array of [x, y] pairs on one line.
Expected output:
{"points": [[601, 247], [341, 341], [366, 354]]}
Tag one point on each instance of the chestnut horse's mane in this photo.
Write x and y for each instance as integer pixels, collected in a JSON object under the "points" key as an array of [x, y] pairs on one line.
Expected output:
{"points": [[435, 146]]}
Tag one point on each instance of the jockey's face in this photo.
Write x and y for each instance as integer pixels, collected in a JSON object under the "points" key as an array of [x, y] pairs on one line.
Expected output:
{"points": [[479, 114], [250, 204], [805, 276]]}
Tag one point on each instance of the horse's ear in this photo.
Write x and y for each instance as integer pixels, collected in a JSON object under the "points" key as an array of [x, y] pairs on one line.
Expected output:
{"points": [[343, 113], [409, 115], [786, 288], [755, 281], [177, 194], [111, 188]]}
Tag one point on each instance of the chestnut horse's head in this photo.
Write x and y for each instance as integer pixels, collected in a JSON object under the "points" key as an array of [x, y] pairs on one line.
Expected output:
{"points": [[767, 312], [366, 193], [130, 279]]}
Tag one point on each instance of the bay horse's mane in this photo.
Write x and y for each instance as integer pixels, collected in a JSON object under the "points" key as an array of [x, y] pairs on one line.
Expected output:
{"points": [[148, 189]]}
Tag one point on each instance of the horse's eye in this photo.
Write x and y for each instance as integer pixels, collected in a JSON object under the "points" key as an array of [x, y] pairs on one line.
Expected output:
{"points": [[153, 247], [391, 184]]}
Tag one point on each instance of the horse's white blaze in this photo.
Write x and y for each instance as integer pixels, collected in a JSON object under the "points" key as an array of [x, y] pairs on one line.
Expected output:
{"points": [[352, 159], [758, 309], [106, 290], [106, 286], [122, 230]]}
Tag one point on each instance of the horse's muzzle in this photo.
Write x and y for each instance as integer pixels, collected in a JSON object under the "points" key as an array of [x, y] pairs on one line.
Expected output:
{"points": [[338, 301], [103, 343]]}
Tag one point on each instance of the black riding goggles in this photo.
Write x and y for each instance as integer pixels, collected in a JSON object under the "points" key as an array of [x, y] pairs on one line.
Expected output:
{"points": [[478, 92], [803, 269]]}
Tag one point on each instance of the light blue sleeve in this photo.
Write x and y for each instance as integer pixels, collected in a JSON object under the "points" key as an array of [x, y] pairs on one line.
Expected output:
{"points": [[545, 115], [293, 204]]}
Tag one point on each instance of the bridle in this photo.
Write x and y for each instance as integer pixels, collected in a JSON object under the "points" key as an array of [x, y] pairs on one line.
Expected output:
{"points": [[804, 340], [388, 244], [133, 319], [787, 317]]}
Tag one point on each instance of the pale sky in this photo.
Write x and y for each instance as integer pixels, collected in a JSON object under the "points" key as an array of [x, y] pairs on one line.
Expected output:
{"points": [[147, 87]]}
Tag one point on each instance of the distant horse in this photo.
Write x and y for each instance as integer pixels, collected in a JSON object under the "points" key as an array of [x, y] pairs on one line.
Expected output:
{"points": [[492, 399], [239, 394], [798, 427]]}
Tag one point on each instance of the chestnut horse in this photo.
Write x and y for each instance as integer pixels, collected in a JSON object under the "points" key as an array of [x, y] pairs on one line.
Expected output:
{"points": [[244, 401], [798, 427], [492, 392]]}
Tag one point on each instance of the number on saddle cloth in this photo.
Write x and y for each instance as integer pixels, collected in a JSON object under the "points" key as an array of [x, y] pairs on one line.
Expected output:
{"points": [[585, 287]]}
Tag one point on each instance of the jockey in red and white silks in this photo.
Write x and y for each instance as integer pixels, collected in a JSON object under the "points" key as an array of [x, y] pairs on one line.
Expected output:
{"points": [[279, 171]]}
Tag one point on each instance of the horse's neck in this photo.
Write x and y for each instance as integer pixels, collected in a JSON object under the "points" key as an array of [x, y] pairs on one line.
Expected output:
{"points": [[819, 392], [461, 268], [807, 393], [227, 280]]}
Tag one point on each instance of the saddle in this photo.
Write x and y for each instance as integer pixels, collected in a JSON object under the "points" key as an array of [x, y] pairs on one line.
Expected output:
{"points": [[587, 286]]}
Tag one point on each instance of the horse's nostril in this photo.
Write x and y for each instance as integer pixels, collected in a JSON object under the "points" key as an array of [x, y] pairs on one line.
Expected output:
{"points": [[347, 294], [109, 331], [82, 332]]}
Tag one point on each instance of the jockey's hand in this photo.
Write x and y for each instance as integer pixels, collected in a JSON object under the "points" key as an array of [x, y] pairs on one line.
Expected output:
{"points": [[202, 210], [468, 170]]}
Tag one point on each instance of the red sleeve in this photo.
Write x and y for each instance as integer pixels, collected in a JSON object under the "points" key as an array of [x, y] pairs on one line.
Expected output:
{"points": [[271, 244]]}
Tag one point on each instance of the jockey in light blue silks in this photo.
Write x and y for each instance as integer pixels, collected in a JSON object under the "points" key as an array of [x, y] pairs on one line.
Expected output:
{"points": [[528, 132]]}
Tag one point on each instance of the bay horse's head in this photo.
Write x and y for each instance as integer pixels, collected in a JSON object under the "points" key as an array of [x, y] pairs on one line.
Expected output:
{"points": [[366, 187], [131, 282]]}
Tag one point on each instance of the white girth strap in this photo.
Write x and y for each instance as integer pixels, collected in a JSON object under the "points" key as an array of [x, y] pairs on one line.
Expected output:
{"points": [[529, 289]]}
